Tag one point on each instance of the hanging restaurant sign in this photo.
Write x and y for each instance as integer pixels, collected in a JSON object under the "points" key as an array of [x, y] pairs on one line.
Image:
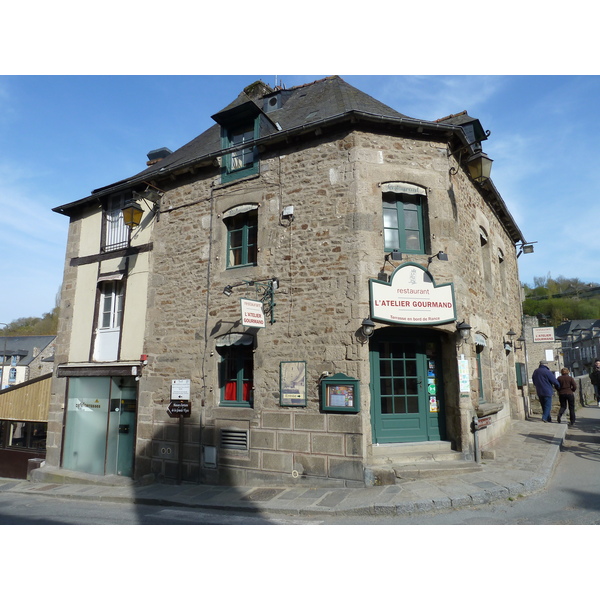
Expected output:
{"points": [[253, 314], [412, 298]]}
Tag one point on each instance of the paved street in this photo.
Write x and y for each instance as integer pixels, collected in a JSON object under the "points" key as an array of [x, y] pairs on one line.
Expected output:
{"points": [[542, 474], [572, 496]]}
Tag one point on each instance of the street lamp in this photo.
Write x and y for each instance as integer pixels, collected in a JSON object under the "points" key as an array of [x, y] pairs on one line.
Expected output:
{"points": [[480, 166], [132, 214]]}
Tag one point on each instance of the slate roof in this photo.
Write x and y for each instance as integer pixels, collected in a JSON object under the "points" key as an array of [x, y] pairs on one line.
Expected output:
{"points": [[302, 109], [303, 106], [23, 346], [570, 326]]}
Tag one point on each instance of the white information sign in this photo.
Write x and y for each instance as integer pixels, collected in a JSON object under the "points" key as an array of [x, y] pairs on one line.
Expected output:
{"points": [[411, 297], [180, 389], [463, 376], [253, 314], [543, 334]]}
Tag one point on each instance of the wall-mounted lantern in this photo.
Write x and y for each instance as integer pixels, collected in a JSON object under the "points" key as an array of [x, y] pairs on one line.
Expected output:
{"points": [[132, 214], [464, 331], [480, 166]]}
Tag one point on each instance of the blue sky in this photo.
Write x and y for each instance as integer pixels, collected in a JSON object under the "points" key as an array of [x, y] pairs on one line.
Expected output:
{"points": [[63, 136]]}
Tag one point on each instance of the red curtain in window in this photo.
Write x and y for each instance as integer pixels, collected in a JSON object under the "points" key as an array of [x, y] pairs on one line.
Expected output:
{"points": [[246, 389], [231, 391]]}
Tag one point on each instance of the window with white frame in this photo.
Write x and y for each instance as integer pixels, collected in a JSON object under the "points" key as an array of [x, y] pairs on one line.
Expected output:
{"points": [[110, 317], [116, 233], [111, 305]]}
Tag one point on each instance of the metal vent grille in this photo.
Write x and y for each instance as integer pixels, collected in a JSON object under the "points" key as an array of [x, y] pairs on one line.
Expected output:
{"points": [[234, 439]]}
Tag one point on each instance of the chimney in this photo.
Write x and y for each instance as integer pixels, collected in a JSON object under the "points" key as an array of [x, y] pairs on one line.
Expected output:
{"points": [[155, 156]]}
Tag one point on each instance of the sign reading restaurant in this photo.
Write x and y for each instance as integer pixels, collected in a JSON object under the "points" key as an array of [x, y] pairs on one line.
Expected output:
{"points": [[252, 313], [412, 298], [543, 334]]}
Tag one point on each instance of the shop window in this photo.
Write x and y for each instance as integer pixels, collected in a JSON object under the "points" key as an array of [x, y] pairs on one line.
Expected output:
{"points": [[242, 231], [243, 161], [236, 375], [23, 435], [116, 233], [403, 223]]}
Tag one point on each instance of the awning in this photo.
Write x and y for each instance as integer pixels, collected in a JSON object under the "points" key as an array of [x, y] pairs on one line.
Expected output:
{"points": [[111, 276], [237, 210], [480, 340]]}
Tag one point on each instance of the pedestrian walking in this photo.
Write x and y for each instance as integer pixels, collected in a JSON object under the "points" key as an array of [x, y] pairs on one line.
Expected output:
{"points": [[566, 395], [545, 384], [595, 379]]}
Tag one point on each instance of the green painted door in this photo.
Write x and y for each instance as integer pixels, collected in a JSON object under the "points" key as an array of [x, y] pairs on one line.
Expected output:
{"points": [[406, 391]]}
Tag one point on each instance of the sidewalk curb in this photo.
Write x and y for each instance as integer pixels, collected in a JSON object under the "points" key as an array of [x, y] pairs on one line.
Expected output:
{"points": [[505, 479]]}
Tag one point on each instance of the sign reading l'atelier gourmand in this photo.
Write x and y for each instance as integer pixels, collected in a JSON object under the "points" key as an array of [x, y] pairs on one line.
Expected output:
{"points": [[412, 298]]}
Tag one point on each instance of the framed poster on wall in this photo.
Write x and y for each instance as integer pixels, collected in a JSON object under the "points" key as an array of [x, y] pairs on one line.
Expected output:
{"points": [[339, 393], [292, 383]]}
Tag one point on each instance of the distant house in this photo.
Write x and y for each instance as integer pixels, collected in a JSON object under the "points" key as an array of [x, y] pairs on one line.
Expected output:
{"points": [[580, 344], [25, 357]]}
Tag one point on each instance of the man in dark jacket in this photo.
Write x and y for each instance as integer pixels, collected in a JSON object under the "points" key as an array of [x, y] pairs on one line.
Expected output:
{"points": [[545, 384], [595, 379]]}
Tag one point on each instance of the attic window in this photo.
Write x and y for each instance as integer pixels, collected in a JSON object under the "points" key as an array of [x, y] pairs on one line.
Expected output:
{"points": [[243, 160]]}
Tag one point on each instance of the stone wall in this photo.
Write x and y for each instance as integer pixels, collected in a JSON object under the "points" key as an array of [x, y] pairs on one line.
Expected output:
{"points": [[323, 260]]}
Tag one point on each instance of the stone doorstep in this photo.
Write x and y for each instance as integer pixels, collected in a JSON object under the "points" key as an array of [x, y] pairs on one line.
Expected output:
{"points": [[392, 454], [398, 473], [411, 472], [397, 463], [53, 475]]}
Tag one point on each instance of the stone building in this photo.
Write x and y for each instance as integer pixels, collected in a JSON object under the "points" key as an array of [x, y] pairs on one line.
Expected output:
{"points": [[318, 285]]}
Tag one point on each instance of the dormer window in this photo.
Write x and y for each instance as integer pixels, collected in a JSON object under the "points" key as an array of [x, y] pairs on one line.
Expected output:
{"points": [[243, 161]]}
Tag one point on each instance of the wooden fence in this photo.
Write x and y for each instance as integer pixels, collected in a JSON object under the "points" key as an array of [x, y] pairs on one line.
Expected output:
{"points": [[27, 401]]}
